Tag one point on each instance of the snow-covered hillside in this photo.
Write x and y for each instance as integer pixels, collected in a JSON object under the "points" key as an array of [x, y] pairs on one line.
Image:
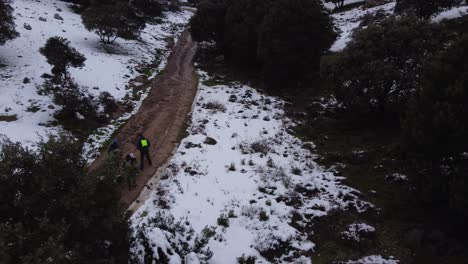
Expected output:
{"points": [[346, 22], [239, 185], [108, 69]]}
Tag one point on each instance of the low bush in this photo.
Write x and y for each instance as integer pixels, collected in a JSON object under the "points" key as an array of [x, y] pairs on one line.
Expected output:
{"points": [[52, 211]]}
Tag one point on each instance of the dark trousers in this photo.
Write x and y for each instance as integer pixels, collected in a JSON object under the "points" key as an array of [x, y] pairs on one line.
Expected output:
{"points": [[143, 154]]}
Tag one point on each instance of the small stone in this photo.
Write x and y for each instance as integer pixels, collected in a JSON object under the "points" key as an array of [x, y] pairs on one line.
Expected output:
{"points": [[210, 141], [42, 19], [51, 107], [232, 98], [27, 26], [58, 17]]}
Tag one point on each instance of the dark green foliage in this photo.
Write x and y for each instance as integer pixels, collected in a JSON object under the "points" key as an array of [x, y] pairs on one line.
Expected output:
{"points": [[7, 24], [61, 56], [294, 35], [263, 216], [437, 120], [423, 8], [436, 128], [208, 22], [280, 40], [51, 211], [246, 260], [223, 220], [109, 102], [379, 69], [243, 23], [112, 21], [148, 8], [73, 100]]}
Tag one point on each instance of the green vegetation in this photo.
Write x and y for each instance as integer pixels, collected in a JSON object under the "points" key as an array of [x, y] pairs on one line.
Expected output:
{"points": [[7, 24], [281, 41], [53, 212]]}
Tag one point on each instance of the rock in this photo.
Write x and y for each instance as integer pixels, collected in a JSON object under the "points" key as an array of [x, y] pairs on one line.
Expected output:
{"points": [[210, 141], [42, 19], [189, 145], [58, 17], [59, 9], [51, 107], [232, 98], [266, 118], [27, 26], [26, 80], [267, 101]]}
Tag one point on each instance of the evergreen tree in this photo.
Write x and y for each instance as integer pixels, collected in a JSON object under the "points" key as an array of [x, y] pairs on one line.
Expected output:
{"points": [[7, 24], [112, 21], [293, 37], [380, 68], [207, 24], [52, 212], [61, 56], [423, 8]]}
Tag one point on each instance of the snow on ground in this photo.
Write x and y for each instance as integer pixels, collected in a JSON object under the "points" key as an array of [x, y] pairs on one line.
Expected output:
{"points": [[105, 70], [451, 13], [374, 259], [346, 22], [331, 6], [239, 185], [356, 232]]}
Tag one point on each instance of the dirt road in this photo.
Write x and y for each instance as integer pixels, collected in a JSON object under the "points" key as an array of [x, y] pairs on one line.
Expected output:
{"points": [[161, 116]]}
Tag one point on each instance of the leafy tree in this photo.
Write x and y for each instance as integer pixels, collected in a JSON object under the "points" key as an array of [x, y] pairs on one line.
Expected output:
{"points": [[149, 8], [436, 121], [208, 22], [380, 68], [293, 37], [435, 129], [112, 21], [52, 212], [280, 40], [423, 8], [61, 56], [7, 24], [243, 23]]}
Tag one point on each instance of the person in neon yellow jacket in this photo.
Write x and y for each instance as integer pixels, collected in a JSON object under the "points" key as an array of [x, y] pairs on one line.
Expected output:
{"points": [[143, 145]]}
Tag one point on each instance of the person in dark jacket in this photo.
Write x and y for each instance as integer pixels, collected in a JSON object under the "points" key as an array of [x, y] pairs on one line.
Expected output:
{"points": [[130, 170], [114, 147], [143, 145]]}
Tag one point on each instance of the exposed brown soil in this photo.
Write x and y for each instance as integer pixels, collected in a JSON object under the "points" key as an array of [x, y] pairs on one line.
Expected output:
{"points": [[161, 116]]}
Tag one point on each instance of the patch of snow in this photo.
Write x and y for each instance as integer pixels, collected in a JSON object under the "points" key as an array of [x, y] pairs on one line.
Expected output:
{"points": [[331, 6], [221, 211], [374, 259], [452, 13], [356, 232], [110, 69], [346, 22], [396, 177]]}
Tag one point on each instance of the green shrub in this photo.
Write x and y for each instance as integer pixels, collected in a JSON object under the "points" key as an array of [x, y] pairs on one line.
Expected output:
{"points": [[379, 70], [52, 210], [436, 129], [7, 24], [223, 220]]}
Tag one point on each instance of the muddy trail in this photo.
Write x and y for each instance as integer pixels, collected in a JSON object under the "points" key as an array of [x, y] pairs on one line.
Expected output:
{"points": [[161, 116]]}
